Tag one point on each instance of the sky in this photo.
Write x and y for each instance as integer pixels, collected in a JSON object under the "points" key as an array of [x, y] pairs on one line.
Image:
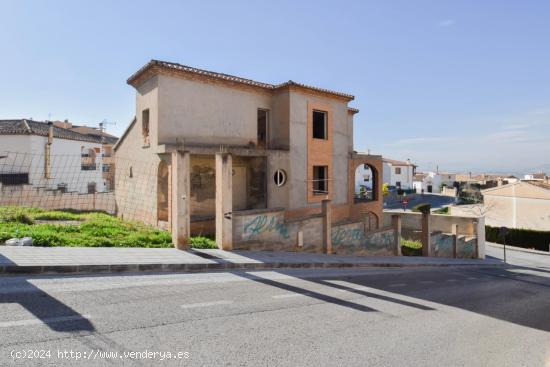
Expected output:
{"points": [[459, 85]]}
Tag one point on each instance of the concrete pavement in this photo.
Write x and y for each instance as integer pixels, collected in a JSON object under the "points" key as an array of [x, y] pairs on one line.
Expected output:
{"points": [[290, 317], [39, 260]]}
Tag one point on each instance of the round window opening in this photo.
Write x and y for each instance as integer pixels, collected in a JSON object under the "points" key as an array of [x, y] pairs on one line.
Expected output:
{"points": [[279, 177]]}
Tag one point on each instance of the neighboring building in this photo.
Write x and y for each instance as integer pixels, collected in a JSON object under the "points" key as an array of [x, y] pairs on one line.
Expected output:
{"points": [[541, 176], [107, 143], [222, 144], [399, 174], [43, 155], [518, 205], [484, 181], [431, 182]]}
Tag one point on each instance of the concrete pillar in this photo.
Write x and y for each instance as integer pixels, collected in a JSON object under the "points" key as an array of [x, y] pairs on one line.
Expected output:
{"points": [[327, 226], [396, 225], [454, 231], [224, 201], [181, 191], [426, 235]]}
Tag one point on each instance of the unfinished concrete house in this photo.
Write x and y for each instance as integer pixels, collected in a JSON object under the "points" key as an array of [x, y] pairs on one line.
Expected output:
{"points": [[255, 164]]}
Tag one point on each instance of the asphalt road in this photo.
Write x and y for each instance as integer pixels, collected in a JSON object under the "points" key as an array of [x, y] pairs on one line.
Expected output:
{"points": [[436, 201], [386, 317]]}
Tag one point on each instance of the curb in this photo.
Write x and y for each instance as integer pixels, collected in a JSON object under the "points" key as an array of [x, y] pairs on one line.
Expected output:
{"points": [[518, 249], [221, 265]]}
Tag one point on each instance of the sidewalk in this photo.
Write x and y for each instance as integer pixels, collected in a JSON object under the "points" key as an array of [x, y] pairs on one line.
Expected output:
{"points": [[39, 260]]}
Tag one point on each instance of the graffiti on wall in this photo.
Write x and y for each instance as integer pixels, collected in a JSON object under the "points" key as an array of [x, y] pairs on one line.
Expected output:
{"points": [[262, 224], [346, 235]]}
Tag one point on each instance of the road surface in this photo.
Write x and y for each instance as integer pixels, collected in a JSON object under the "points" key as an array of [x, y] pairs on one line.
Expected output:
{"points": [[378, 317], [436, 201]]}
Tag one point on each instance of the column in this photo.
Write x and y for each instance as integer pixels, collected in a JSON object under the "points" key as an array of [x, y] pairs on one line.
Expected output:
{"points": [[327, 226], [426, 235], [224, 201], [454, 231], [181, 190], [396, 225]]}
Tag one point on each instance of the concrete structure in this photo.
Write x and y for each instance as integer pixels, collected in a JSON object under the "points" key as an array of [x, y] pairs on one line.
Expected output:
{"points": [[399, 174], [48, 156], [540, 176], [442, 235], [524, 204], [431, 182], [242, 146]]}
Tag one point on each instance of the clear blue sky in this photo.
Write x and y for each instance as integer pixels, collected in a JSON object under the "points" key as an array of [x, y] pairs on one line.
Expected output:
{"points": [[460, 84]]}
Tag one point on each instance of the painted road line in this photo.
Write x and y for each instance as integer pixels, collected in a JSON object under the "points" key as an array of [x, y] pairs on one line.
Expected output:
{"points": [[206, 304], [452, 280], [427, 282], [50, 320]]}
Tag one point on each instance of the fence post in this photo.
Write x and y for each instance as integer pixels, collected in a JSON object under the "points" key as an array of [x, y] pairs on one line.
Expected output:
{"points": [[327, 226], [426, 235], [396, 224], [454, 231]]}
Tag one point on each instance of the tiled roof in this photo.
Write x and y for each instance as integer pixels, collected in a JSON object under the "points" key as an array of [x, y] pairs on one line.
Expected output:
{"points": [[30, 127], [231, 78], [394, 162]]}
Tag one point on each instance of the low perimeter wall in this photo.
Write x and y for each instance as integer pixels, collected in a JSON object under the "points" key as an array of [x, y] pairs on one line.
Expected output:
{"points": [[32, 196], [270, 230], [470, 233]]}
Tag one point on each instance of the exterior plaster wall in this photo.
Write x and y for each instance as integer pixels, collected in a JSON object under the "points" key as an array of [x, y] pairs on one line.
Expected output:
{"points": [[136, 177], [209, 114], [26, 154]]}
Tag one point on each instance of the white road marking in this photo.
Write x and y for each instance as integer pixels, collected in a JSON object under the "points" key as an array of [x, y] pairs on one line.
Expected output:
{"points": [[452, 280], [427, 282], [37, 321], [206, 304], [472, 278], [289, 295]]}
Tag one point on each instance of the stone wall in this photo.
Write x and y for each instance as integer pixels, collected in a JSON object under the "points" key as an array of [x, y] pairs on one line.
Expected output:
{"points": [[351, 239], [269, 229], [39, 197]]}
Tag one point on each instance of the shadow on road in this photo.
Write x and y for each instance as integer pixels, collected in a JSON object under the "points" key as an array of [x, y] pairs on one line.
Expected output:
{"points": [[52, 312]]}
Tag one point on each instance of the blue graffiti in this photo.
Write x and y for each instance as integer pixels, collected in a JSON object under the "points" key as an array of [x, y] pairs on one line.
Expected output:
{"points": [[344, 236], [261, 224]]}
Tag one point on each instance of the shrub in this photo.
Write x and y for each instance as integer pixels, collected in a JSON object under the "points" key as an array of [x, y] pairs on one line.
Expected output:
{"points": [[444, 210], [422, 208], [411, 247], [203, 242], [526, 238]]}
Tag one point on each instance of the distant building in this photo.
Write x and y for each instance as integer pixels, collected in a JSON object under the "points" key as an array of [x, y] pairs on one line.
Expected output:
{"points": [[431, 182], [523, 204], [535, 176], [399, 174], [45, 155]]}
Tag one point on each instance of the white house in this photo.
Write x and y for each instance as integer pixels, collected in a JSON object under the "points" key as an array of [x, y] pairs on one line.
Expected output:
{"points": [[431, 182], [43, 155], [398, 173]]}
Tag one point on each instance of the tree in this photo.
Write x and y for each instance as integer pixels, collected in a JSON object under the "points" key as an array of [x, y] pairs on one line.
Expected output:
{"points": [[385, 189]]}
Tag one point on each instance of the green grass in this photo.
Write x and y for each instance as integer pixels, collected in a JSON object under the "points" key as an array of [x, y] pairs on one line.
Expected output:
{"points": [[94, 230]]}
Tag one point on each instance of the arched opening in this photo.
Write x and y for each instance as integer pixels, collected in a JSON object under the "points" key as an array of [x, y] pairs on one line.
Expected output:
{"points": [[162, 192], [365, 183], [371, 221]]}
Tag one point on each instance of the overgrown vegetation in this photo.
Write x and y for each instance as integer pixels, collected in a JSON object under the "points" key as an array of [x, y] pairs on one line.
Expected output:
{"points": [[526, 238], [444, 210], [93, 229], [203, 242], [422, 208], [411, 247]]}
